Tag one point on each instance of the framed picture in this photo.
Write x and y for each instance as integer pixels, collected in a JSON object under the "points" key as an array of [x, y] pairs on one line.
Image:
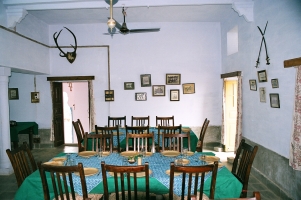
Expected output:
{"points": [[129, 85], [262, 94], [253, 85], [158, 90], [140, 96], [35, 97], [173, 79], [109, 95], [13, 93], [188, 88], [274, 100], [174, 95], [145, 80], [274, 83], [262, 76]]}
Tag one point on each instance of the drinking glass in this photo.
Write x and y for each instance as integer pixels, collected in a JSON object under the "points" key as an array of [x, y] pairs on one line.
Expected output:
{"points": [[100, 152], [143, 152], [185, 151]]}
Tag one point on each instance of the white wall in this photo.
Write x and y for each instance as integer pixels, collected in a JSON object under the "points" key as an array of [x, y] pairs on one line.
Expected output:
{"points": [[3, 21], [270, 127]]}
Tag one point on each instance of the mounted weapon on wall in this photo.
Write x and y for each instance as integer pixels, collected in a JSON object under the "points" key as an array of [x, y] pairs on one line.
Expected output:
{"points": [[265, 45], [69, 55]]}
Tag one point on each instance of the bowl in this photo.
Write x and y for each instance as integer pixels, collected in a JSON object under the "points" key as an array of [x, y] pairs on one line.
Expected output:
{"points": [[131, 161]]}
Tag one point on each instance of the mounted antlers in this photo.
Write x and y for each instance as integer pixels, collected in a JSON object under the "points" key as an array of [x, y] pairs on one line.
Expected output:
{"points": [[69, 55]]}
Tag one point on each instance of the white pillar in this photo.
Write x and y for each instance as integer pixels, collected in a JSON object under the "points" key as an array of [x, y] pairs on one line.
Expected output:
{"points": [[5, 166]]}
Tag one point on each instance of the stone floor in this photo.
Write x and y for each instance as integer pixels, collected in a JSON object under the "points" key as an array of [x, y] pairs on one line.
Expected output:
{"points": [[8, 184]]}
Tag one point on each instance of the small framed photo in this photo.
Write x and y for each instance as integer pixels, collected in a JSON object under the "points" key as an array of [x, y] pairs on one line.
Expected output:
{"points": [[109, 95], [13, 93], [173, 79], [262, 76], [188, 88], [129, 85], [274, 83], [253, 85], [262, 94], [158, 90], [145, 80], [174, 95], [274, 100], [35, 97], [140, 96]]}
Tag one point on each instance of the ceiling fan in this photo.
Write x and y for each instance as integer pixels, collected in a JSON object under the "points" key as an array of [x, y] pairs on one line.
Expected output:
{"points": [[124, 30]]}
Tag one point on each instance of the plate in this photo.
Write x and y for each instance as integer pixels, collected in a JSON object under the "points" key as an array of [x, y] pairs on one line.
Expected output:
{"points": [[175, 173], [59, 159], [184, 162], [89, 171], [129, 153], [105, 153], [170, 153], [142, 174], [210, 158], [87, 154], [148, 154], [55, 163], [190, 153]]}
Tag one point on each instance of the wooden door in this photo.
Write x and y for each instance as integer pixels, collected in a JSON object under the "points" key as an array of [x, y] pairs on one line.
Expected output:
{"points": [[58, 115]]}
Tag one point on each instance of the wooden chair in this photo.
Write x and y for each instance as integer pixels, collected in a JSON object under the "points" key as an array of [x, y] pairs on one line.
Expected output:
{"points": [[79, 135], [165, 121], [103, 141], [242, 164], [167, 130], [175, 141], [124, 187], [200, 143], [60, 176], [117, 121], [188, 173], [22, 161], [110, 131], [140, 121], [141, 141], [136, 129], [81, 128]]}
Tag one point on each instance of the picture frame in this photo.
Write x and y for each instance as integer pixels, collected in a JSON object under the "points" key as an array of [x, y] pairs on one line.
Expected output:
{"points": [[158, 90], [35, 97], [188, 88], [174, 95], [262, 76], [13, 93], [275, 83], [173, 79], [129, 85], [262, 94], [253, 85], [274, 100], [140, 96], [109, 95], [145, 80]]}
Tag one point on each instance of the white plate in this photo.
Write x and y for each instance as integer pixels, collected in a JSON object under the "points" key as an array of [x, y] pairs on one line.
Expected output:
{"points": [[170, 153], [210, 158], [184, 162], [89, 171], [87, 154], [59, 159], [55, 163], [129, 153]]}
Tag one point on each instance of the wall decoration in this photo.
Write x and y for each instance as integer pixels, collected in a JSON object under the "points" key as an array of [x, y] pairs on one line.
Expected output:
{"points": [[13, 93], [253, 85], [35, 97], [158, 90], [262, 76], [174, 95], [262, 94], [188, 88], [145, 80], [274, 100], [275, 83], [265, 45], [129, 85], [140, 96], [173, 79], [109, 95]]}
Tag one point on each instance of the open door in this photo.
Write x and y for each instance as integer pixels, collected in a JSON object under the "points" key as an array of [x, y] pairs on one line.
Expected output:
{"points": [[58, 115]]}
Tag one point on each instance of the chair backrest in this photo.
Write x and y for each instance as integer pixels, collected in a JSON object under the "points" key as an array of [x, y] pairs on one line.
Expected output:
{"points": [[140, 121], [122, 172], [80, 137], [117, 121], [81, 128], [141, 141], [103, 141], [174, 142], [110, 131], [198, 172], [22, 161], [136, 129], [165, 121], [60, 176], [242, 164], [200, 143]]}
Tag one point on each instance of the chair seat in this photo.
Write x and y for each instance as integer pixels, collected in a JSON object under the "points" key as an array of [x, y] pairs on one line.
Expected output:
{"points": [[140, 195], [176, 197], [78, 197]]}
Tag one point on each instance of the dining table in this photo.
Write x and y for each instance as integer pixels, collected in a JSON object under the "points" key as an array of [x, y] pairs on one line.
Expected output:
{"points": [[227, 185]]}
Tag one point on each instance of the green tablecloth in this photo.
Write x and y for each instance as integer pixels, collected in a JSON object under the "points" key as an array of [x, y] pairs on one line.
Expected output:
{"points": [[22, 128]]}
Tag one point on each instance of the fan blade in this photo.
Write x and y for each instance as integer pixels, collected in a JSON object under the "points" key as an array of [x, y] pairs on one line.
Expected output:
{"points": [[144, 30]]}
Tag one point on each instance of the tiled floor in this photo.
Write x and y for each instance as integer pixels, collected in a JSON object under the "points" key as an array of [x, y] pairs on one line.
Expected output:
{"points": [[8, 184]]}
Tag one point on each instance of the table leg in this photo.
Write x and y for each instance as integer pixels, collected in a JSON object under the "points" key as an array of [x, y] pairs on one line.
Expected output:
{"points": [[30, 138]]}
